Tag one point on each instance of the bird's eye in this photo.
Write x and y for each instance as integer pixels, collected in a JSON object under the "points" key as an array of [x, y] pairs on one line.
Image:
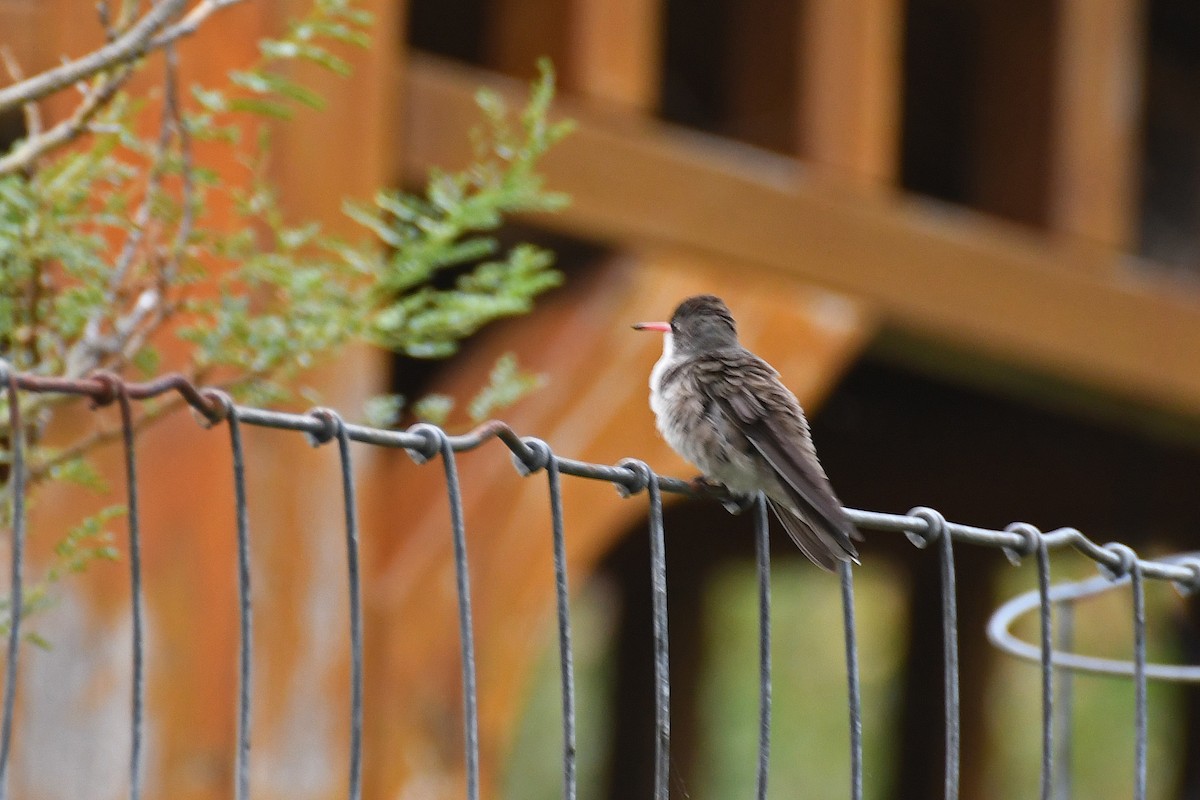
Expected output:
{"points": [[674, 327]]}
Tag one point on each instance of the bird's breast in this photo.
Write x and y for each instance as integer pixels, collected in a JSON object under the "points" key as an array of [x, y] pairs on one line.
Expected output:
{"points": [[698, 430]]}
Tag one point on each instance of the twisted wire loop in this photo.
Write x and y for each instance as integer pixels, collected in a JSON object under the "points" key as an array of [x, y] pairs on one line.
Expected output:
{"points": [[647, 479], [936, 532], [434, 436], [335, 428], [223, 403], [1189, 586], [17, 568], [762, 549], [853, 684], [543, 458]]}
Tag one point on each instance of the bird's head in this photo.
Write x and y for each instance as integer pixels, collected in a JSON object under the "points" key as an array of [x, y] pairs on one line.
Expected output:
{"points": [[700, 324]]}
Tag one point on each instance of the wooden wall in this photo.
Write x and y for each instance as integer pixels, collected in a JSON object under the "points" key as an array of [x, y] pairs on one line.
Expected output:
{"points": [[778, 152]]}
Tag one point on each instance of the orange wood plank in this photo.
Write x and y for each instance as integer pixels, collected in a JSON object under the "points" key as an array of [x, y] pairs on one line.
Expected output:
{"points": [[1097, 117], [615, 50], [850, 70], [605, 50], [348, 150], [1087, 314], [519, 32]]}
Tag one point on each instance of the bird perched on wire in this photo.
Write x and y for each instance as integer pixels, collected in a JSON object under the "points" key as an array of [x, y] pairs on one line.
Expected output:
{"points": [[725, 410]]}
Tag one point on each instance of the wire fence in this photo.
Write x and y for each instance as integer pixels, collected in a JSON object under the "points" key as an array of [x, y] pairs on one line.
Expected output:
{"points": [[925, 527]]}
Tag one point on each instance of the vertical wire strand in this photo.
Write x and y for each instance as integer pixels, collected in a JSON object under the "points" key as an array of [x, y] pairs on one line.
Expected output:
{"points": [[1047, 651], [1139, 679], [356, 645], [465, 624], [565, 651], [854, 687], [17, 567], [950, 675], [1065, 642], [245, 618], [137, 724], [662, 666], [762, 541]]}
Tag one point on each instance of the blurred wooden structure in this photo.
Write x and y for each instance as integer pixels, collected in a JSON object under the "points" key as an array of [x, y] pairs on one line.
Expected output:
{"points": [[967, 177]]}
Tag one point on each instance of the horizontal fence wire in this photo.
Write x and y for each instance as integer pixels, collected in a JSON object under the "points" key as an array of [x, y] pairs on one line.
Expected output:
{"points": [[924, 526]]}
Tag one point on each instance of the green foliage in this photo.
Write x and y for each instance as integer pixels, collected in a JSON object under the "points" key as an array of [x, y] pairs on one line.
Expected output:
{"points": [[506, 385], [434, 408], [104, 243], [446, 229], [55, 264], [310, 292], [383, 411]]}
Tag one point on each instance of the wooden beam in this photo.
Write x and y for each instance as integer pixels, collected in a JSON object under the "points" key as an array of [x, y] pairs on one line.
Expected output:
{"points": [[1087, 314], [518, 32], [1096, 119], [607, 50], [850, 87], [616, 51]]}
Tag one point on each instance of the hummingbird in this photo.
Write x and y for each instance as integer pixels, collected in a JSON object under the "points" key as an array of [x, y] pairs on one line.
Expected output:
{"points": [[725, 410]]}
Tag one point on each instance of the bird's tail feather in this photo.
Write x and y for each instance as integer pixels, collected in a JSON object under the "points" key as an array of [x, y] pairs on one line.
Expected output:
{"points": [[823, 549]]}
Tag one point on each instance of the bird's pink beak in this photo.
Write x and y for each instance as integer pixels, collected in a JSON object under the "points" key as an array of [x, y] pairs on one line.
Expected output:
{"points": [[664, 327]]}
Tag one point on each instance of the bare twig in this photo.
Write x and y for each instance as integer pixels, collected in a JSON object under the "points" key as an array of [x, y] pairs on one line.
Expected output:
{"points": [[25, 154], [161, 308], [189, 24], [139, 39], [187, 167], [149, 310], [105, 15]]}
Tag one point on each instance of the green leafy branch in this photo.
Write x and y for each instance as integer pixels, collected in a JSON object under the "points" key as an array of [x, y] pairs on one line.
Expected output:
{"points": [[109, 244]]}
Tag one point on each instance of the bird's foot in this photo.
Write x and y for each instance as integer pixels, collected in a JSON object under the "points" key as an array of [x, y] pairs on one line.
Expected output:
{"points": [[734, 503]]}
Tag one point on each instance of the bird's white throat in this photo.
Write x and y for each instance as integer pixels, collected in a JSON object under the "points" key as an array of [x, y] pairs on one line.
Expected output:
{"points": [[664, 361]]}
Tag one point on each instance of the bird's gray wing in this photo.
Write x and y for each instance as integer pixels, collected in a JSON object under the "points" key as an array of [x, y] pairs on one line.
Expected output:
{"points": [[770, 419]]}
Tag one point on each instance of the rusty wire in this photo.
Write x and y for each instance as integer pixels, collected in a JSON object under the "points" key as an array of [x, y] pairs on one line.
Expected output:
{"points": [[923, 526]]}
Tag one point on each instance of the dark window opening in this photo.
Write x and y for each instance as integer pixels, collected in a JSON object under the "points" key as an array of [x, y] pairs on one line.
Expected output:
{"points": [[729, 68], [1169, 230], [977, 102]]}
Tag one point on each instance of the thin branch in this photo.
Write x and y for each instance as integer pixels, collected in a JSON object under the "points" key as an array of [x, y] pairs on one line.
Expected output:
{"points": [[35, 146], [187, 167], [129, 46], [189, 24], [105, 15], [132, 329]]}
